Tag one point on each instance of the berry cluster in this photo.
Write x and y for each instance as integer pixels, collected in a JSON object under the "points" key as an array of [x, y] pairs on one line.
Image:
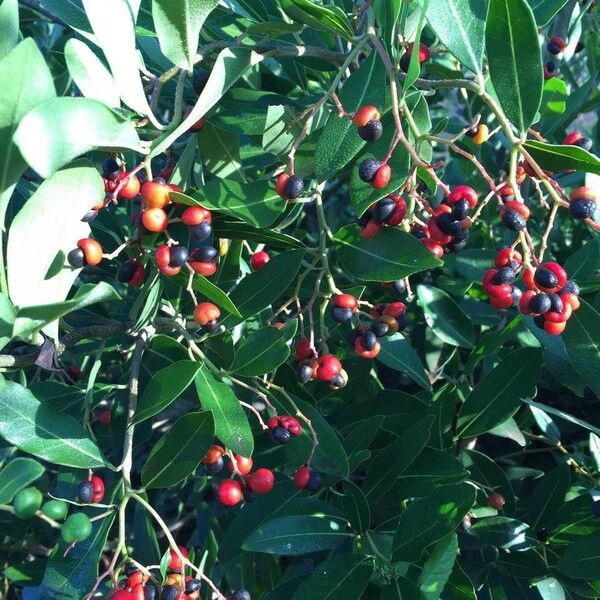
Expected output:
{"points": [[389, 211], [308, 479], [327, 367], [289, 186], [91, 490], [497, 283], [550, 298], [368, 124], [283, 427]]}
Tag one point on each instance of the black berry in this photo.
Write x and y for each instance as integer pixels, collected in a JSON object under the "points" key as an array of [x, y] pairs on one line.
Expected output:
{"points": [[341, 315], [371, 131], [192, 585], [85, 493], [201, 231], [293, 187], [384, 209], [215, 467], [281, 435], [315, 482], [126, 271], [76, 258], [179, 256], [240, 595], [514, 220], [368, 168], [504, 275], [582, 208], [204, 254], [585, 142], [556, 304], [304, 373], [571, 287], [380, 328], [540, 303], [460, 210], [545, 278], [369, 339], [170, 592]]}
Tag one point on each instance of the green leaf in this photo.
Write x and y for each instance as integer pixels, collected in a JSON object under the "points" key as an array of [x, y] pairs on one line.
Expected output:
{"points": [[165, 387], [220, 152], [33, 318], [573, 521], [339, 142], [355, 506], [93, 79], [59, 130], [563, 158], [179, 451], [256, 203], [205, 287], [113, 24], [297, 535], [430, 519], [72, 13], [387, 12], [550, 589], [395, 457], [391, 255], [438, 568], [460, 25], [326, 18], [515, 60], [554, 97], [544, 10], [230, 65], [582, 340], [505, 533], [261, 352], [445, 317], [240, 231], [16, 475], [498, 395], [398, 354], [582, 264], [337, 578], [38, 429], [261, 288], [178, 24], [563, 415], [231, 423], [9, 26], [548, 494]]}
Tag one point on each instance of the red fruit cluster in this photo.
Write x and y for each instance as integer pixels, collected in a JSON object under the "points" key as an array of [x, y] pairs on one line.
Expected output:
{"points": [[285, 422], [389, 211], [327, 368], [497, 283], [550, 298]]}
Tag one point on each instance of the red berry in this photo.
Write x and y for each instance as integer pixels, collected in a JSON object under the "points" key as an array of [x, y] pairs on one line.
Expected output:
{"points": [[194, 215], [280, 184], [583, 192], [301, 477], [496, 501], [104, 417], [214, 453], [303, 350], [155, 194], [364, 115], [433, 247], [395, 309], [175, 564], [261, 481], [554, 328], [230, 492], [346, 301], [363, 352], [382, 177], [98, 487], [205, 312], [371, 229], [162, 258], [131, 188], [122, 595], [463, 192], [155, 220], [243, 464], [329, 366], [259, 260]]}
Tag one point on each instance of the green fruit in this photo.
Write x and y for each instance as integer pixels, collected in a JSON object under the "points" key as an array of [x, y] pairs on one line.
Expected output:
{"points": [[55, 509], [27, 502], [76, 528]]}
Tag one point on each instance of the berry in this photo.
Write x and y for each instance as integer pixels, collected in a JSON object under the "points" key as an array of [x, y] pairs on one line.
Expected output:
{"points": [[545, 279], [259, 260], [261, 481], [368, 340], [346, 301], [315, 481], [364, 115], [216, 466], [463, 192], [304, 373], [192, 585], [98, 489], [382, 177], [338, 381], [27, 502], [496, 501], [130, 271], [162, 258], [76, 258], [368, 168], [85, 492], [582, 208], [302, 477], [131, 188], [460, 209], [371, 229], [240, 595], [179, 256], [76, 528], [293, 188], [504, 275], [365, 352], [576, 138], [341, 315], [482, 134], [571, 287], [281, 435], [514, 220], [328, 366], [280, 183], [171, 592], [372, 131], [206, 312], [556, 45], [229, 492], [243, 464], [201, 231], [204, 254], [549, 69], [303, 350], [424, 55], [155, 194], [379, 328], [55, 509], [194, 215], [539, 304], [155, 220], [175, 564], [88, 252], [399, 286], [384, 209]]}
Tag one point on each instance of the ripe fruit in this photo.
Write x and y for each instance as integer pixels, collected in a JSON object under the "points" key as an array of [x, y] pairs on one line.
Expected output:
{"points": [[496, 501], [155, 194], [27, 502], [366, 119], [306, 478], [261, 481], [214, 453], [514, 215], [88, 252], [583, 208], [55, 509], [372, 131], [76, 528], [98, 489], [194, 215], [131, 188], [179, 256], [303, 350], [121, 595], [229, 492], [556, 45], [206, 313], [382, 177], [240, 595], [364, 351], [424, 55], [243, 464], [576, 138], [365, 114], [549, 69], [259, 260], [155, 220], [293, 188], [463, 192], [328, 367], [368, 168], [162, 258], [175, 564], [85, 492], [204, 260], [172, 592]]}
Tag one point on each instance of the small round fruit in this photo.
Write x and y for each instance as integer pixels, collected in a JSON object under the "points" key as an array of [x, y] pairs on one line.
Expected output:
{"points": [[582, 208], [205, 312], [229, 492], [368, 168], [179, 256], [172, 592], [496, 501], [240, 595], [175, 563], [315, 482], [382, 177], [155, 220], [482, 135], [293, 188], [304, 373], [280, 435], [76, 258], [302, 477], [98, 489], [364, 115], [259, 260], [372, 131], [27, 502], [329, 365], [243, 464], [55, 509], [341, 315], [131, 188], [514, 220], [261, 481], [85, 492], [194, 215], [155, 194], [76, 528]]}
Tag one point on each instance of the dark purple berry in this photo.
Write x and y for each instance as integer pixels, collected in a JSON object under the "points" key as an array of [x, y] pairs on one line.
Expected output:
{"points": [[240, 595], [371, 131], [192, 585], [384, 209], [514, 220], [215, 467], [170, 592], [582, 208], [76, 258], [337, 381], [85, 492], [201, 231], [293, 187], [304, 373], [126, 271], [204, 254], [553, 47], [369, 339], [545, 278], [368, 168], [540, 303], [212, 327], [315, 482], [281, 435], [460, 210], [556, 304], [504, 275], [585, 142], [380, 328], [571, 287], [90, 216], [341, 315], [179, 256], [109, 166]]}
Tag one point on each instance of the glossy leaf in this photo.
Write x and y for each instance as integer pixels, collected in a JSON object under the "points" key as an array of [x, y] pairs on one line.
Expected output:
{"points": [[429, 519], [340, 142], [438, 568], [387, 13], [178, 24], [208, 289], [563, 158], [355, 506], [337, 578], [261, 352], [498, 395], [297, 535], [391, 255], [327, 18], [179, 451], [460, 25], [582, 341], [548, 494], [397, 353], [505, 533], [58, 131], [231, 423], [515, 60], [9, 26], [445, 317], [16, 475], [544, 10], [38, 429], [165, 387]]}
